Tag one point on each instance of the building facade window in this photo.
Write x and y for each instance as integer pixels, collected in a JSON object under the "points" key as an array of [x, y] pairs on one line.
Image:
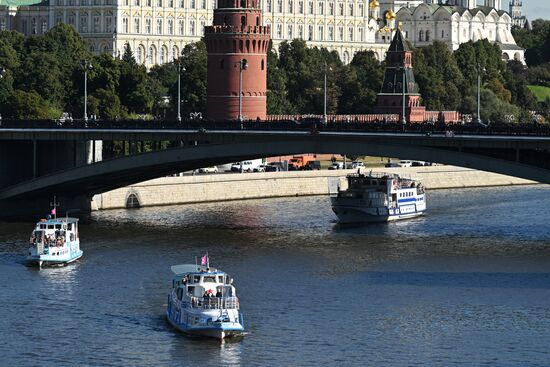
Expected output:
{"points": [[181, 27], [311, 7], [34, 27], [330, 8], [300, 31], [321, 8], [320, 33], [148, 25], [361, 10], [192, 27], [109, 23], [170, 26], [279, 30], [341, 33], [350, 9], [203, 4], [268, 6], [280, 6], [136, 25], [290, 6], [330, 33], [341, 9], [97, 24], [289, 32], [159, 3], [84, 23], [350, 34], [361, 34], [310, 33], [203, 24], [159, 26], [301, 7], [175, 53]]}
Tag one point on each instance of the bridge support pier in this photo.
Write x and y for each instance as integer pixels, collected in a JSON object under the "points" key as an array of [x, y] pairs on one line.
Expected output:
{"points": [[33, 208]]}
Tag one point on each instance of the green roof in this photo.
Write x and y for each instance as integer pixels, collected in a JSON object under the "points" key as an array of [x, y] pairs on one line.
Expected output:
{"points": [[20, 2]]}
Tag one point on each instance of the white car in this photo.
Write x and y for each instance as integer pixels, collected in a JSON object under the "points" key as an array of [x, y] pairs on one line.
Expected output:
{"points": [[260, 168], [336, 165], [212, 169], [405, 163], [357, 164]]}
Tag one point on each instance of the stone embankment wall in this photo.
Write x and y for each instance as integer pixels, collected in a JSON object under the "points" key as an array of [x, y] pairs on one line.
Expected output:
{"points": [[239, 186]]}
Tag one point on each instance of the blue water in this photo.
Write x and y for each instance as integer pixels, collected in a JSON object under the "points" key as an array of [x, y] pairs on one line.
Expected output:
{"points": [[468, 284]]}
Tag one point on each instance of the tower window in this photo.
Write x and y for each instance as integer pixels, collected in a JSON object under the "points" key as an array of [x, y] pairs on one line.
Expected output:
{"points": [[243, 20], [263, 65]]}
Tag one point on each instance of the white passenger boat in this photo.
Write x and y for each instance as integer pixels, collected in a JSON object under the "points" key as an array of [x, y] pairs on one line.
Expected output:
{"points": [[54, 242], [379, 197], [204, 302]]}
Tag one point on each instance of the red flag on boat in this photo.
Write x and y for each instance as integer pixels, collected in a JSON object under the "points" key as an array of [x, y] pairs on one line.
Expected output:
{"points": [[204, 260], [53, 211]]}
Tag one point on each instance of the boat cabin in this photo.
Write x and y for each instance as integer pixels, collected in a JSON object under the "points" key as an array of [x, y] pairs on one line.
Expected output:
{"points": [[202, 285], [54, 232]]}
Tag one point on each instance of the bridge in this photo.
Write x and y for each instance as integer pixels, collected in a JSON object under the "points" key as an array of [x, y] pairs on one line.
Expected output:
{"points": [[39, 162]]}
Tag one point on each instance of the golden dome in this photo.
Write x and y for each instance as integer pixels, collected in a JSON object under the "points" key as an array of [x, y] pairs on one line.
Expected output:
{"points": [[374, 4], [390, 15]]}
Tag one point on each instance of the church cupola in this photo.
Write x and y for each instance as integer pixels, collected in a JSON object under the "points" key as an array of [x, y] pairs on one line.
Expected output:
{"points": [[374, 9]]}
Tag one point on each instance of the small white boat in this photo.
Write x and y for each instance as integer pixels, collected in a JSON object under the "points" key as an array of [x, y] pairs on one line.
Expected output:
{"points": [[204, 302], [378, 197], [54, 242]]}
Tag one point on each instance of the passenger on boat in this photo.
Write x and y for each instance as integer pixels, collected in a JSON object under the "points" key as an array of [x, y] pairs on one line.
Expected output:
{"points": [[219, 294]]}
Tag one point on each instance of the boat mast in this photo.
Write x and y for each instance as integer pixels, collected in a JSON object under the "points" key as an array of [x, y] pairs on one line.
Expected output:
{"points": [[55, 204]]}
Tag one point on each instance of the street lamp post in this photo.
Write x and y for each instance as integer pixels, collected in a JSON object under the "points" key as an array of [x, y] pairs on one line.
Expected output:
{"points": [[87, 66], [180, 69], [325, 97], [404, 119], [2, 72], [243, 65], [479, 94]]}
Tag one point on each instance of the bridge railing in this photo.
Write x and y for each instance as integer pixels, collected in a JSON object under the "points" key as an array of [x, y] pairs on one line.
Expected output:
{"points": [[312, 125]]}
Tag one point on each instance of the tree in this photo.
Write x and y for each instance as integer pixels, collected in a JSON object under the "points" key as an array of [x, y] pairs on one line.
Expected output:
{"points": [[361, 80], [24, 105]]}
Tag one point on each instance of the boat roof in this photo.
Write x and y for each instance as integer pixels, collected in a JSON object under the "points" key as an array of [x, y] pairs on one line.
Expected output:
{"points": [[192, 268], [58, 220]]}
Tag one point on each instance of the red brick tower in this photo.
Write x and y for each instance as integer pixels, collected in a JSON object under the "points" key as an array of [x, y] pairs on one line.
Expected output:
{"points": [[237, 46]]}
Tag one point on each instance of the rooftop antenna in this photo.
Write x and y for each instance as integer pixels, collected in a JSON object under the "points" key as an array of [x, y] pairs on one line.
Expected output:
{"points": [[54, 205]]}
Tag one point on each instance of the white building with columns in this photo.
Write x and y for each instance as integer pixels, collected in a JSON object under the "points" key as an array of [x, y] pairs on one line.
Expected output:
{"points": [[157, 30], [460, 21]]}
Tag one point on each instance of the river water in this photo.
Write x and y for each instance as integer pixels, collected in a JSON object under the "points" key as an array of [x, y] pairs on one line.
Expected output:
{"points": [[467, 284]]}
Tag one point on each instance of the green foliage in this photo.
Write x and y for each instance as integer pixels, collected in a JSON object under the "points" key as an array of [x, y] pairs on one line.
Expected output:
{"points": [[361, 81], [535, 41], [29, 105], [540, 92]]}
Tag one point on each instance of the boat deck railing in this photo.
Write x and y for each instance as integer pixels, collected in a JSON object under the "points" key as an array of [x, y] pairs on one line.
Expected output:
{"points": [[212, 303]]}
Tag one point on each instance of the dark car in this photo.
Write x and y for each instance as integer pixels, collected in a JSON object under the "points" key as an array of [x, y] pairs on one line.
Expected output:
{"points": [[392, 165]]}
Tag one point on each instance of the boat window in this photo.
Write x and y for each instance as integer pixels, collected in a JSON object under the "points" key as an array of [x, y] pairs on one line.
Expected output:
{"points": [[220, 278], [209, 279], [179, 292], [191, 289], [58, 226], [196, 278], [42, 226], [227, 279], [50, 226]]}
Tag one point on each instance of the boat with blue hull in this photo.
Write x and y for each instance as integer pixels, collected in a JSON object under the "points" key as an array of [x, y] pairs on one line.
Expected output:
{"points": [[54, 242], [378, 197], [203, 302]]}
